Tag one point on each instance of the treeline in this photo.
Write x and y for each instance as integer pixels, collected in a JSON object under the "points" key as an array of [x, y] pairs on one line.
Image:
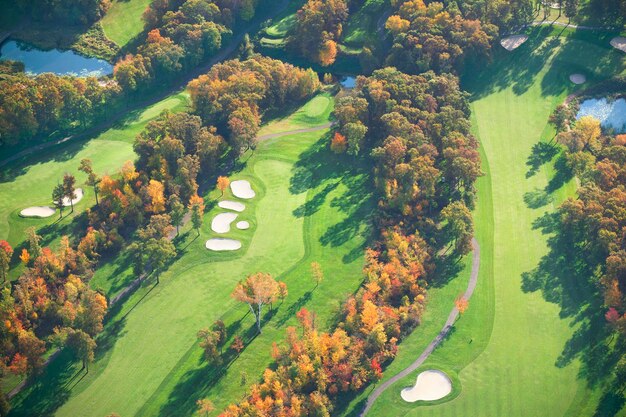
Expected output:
{"points": [[51, 303], [47, 103], [593, 225], [417, 130], [73, 12]]}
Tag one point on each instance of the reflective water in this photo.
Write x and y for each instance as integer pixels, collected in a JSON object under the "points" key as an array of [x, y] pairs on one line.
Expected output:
{"points": [[37, 61], [611, 114], [348, 82]]}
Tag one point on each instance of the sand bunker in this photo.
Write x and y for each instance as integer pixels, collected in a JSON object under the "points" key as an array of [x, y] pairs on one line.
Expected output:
{"points": [[242, 189], [243, 225], [619, 43], [577, 78], [79, 196], [223, 244], [221, 222], [232, 205], [513, 42], [430, 385], [41, 211]]}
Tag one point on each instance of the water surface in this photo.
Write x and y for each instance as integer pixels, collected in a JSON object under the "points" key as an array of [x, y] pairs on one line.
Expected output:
{"points": [[611, 114], [37, 61]]}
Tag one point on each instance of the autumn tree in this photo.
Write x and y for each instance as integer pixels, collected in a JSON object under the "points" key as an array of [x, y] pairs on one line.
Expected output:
{"points": [[222, 184], [25, 257], [69, 189], [196, 207], [155, 197], [316, 273], [176, 210], [6, 252], [92, 178], [338, 144], [461, 303], [256, 291], [34, 242], [237, 345], [205, 407], [58, 198]]}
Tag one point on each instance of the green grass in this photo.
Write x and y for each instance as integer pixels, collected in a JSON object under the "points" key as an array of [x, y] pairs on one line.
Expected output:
{"points": [[311, 205], [511, 370], [30, 182], [281, 27], [314, 113], [123, 21]]}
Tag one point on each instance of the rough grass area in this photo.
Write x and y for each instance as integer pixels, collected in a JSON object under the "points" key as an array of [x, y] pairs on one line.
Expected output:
{"points": [[311, 205], [513, 351], [123, 21]]}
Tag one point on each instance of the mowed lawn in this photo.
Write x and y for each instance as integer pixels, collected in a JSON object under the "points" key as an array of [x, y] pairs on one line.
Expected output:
{"points": [[310, 206], [314, 113], [123, 21], [505, 349]]}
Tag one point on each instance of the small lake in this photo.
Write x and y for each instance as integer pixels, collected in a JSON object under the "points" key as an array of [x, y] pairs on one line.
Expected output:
{"points": [[611, 114], [348, 82], [37, 61]]}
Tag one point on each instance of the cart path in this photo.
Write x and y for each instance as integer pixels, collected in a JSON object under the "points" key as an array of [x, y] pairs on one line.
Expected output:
{"points": [[442, 334]]}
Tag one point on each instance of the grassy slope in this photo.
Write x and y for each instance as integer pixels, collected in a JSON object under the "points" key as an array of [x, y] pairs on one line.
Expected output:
{"points": [[123, 21], [512, 102], [310, 206], [314, 113]]}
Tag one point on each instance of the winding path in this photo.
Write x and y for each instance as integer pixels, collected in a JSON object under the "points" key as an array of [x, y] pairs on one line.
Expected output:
{"points": [[435, 342]]}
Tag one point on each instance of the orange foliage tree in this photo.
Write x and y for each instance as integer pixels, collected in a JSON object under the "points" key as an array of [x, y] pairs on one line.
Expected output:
{"points": [[338, 144], [257, 290], [222, 184], [461, 304]]}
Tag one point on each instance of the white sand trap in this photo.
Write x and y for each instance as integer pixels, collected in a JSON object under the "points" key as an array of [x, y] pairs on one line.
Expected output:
{"points": [[223, 244], [243, 225], [242, 189], [41, 211], [619, 43], [79, 196], [221, 222], [430, 385], [513, 42], [232, 205], [577, 78]]}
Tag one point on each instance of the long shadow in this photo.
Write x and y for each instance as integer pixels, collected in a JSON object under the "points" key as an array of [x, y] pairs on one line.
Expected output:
{"points": [[567, 276], [541, 154]]}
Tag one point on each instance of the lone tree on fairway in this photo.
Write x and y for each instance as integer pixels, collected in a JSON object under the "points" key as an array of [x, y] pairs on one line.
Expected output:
{"points": [[196, 206], [92, 178], [58, 194], [80, 343], [461, 304], [222, 184], [205, 407], [316, 273], [256, 291], [177, 211], [69, 189]]}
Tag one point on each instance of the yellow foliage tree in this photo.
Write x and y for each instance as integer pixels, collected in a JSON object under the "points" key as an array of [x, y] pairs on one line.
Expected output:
{"points": [[155, 191], [222, 184], [395, 24], [328, 53]]}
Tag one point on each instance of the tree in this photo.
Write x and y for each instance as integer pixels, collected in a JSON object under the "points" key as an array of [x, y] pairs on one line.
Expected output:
{"points": [[328, 53], [92, 178], [205, 407], [79, 342], [6, 252], [156, 198], [459, 226], [69, 189], [256, 291], [196, 206], [395, 24], [461, 304], [177, 211], [209, 341], [222, 184], [571, 8], [237, 345], [25, 257], [159, 252], [316, 273], [33, 242], [338, 144], [58, 198]]}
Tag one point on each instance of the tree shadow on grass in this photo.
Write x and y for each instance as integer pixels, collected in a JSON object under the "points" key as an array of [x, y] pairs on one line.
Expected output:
{"points": [[567, 276], [542, 153]]}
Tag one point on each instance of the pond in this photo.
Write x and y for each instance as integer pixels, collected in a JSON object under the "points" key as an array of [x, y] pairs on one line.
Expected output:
{"points": [[348, 82], [37, 61], [611, 114]]}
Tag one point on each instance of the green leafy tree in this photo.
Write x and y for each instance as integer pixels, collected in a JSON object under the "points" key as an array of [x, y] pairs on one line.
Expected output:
{"points": [[58, 196], [92, 178], [69, 189], [177, 211]]}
